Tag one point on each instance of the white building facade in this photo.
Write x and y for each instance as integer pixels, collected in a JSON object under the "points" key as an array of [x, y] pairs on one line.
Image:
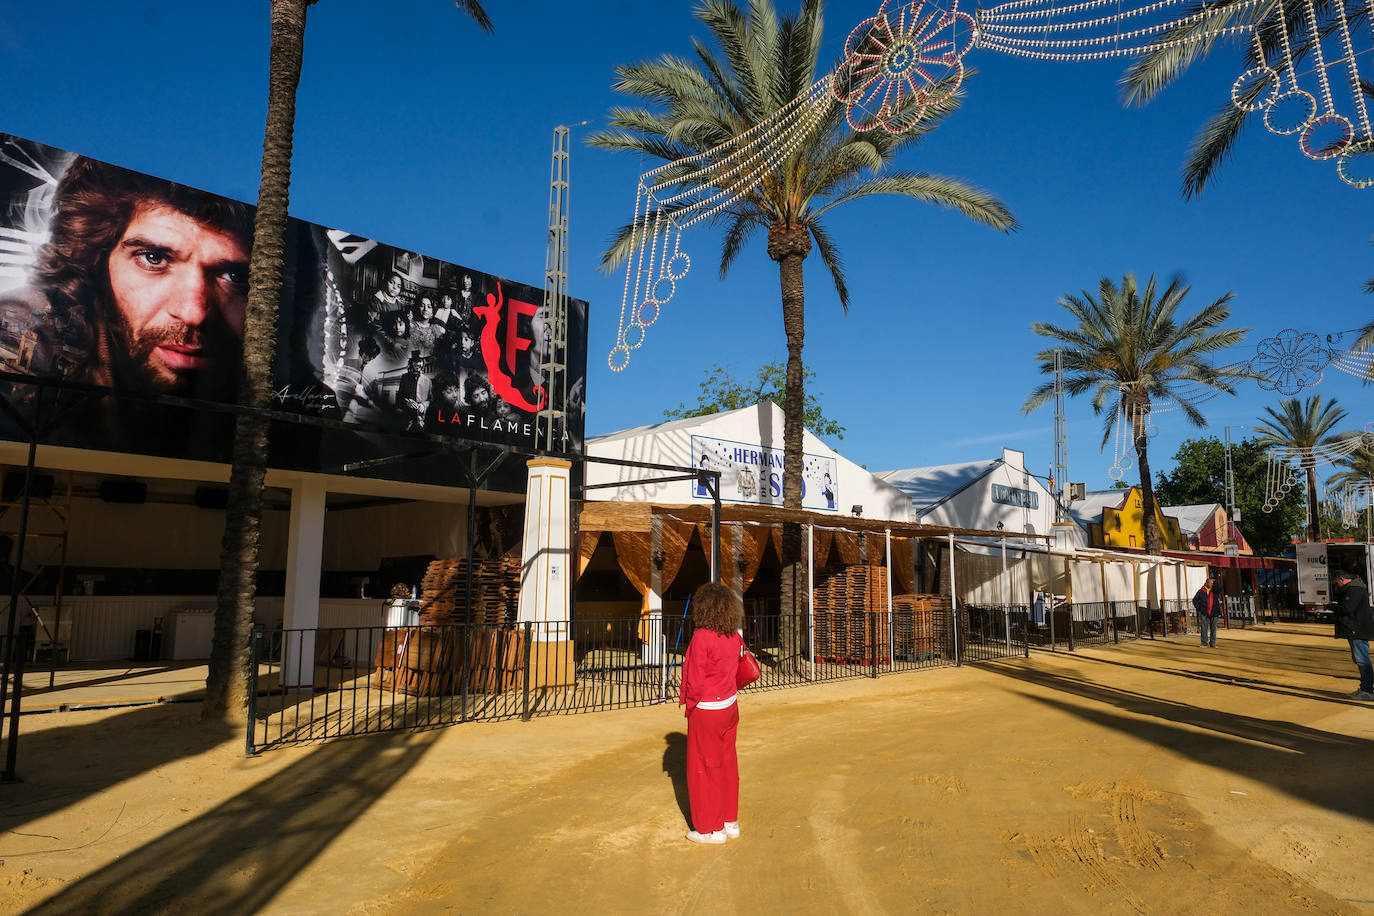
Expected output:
{"points": [[745, 446]]}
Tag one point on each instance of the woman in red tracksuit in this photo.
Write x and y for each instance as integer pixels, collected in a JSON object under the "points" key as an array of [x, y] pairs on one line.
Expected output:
{"points": [[708, 692]]}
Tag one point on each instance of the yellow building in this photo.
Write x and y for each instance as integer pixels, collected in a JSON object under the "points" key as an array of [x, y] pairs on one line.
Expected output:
{"points": [[1122, 526]]}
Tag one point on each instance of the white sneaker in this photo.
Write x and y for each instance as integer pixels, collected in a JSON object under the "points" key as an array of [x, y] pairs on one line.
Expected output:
{"points": [[711, 839], [732, 829]]}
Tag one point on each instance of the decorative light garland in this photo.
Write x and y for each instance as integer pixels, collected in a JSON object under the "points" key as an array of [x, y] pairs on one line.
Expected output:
{"points": [[1290, 361], [1285, 464], [908, 57]]}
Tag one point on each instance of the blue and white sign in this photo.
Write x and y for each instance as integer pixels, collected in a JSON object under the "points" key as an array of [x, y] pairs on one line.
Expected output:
{"points": [[751, 473], [1014, 496]]}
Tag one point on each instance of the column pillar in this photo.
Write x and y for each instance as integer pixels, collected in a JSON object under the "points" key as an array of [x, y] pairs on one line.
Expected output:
{"points": [[545, 575], [301, 606], [651, 621]]}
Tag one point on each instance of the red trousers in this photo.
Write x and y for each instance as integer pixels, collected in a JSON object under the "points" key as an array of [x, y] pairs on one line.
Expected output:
{"points": [[712, 767]]}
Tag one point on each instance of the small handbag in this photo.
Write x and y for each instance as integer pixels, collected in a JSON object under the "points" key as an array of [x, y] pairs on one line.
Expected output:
{"points": [[748, 671]]}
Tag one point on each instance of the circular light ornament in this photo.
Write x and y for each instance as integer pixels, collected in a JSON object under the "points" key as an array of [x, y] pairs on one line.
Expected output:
{"points": [[1326, 137], [1261, 84], [1290, 112], [1356, 165], [664, 289]]}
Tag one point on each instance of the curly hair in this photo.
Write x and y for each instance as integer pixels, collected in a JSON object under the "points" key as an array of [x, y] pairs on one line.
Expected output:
{"points": [[718, 607], [92, 206]]}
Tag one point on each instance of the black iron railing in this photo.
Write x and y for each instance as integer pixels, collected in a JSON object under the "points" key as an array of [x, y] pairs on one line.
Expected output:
{"points": [[318, 684], [311, 685]]}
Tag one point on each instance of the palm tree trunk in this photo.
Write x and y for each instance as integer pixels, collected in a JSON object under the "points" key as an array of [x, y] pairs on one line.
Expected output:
{"points": [[789, 246], [1150, 522], [226, 685], [1314, 532]]}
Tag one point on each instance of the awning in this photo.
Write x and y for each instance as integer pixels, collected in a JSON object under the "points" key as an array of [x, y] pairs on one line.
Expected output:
{"points": [[1222, 561]]}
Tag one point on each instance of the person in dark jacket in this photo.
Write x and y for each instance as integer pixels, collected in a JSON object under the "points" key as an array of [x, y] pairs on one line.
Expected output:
{"points": [[1355, 622], [1207, 603]]}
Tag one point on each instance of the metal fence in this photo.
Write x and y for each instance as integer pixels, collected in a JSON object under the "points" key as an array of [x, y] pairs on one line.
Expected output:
{"points": [[1097, 623], [328, 683], [996, 631]]}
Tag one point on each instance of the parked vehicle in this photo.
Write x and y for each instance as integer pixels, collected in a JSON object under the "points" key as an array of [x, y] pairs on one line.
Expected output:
{"points": [[1316, 560]]}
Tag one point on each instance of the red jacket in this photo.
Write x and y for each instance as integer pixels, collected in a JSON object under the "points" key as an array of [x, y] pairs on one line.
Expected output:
{"points": [[708, 669]]}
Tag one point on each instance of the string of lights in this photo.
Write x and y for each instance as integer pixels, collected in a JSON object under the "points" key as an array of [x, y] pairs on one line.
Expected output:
{"points": [[909, 56]]}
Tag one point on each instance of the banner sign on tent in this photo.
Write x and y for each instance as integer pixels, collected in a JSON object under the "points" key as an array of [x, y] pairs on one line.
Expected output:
{"points": [[751, 473], [116, 278]]}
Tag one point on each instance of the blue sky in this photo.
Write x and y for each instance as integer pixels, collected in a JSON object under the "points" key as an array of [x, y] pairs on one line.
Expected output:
{"points": [[418, 130]]}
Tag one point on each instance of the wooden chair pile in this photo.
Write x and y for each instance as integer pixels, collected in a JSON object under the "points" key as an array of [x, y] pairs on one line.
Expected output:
{"points": [[913, 625], [417, 660], [851, 615], [495, 591], [427, 660]]}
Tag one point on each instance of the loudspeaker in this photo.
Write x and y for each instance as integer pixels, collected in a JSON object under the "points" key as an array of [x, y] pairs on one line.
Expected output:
{"points": [[211, 497], [40, 487], [123, 491]]}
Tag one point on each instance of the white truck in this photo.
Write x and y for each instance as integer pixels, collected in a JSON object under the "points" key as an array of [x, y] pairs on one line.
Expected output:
{"points": [[1317, 560]]}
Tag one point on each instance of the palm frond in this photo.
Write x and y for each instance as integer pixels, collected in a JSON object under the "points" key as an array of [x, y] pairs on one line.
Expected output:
{"points": [[932, 189], [830, 257], [474, 11], [742, 223]]}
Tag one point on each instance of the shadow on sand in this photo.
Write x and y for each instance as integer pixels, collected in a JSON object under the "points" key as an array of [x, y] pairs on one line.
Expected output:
{"points": [[1317, 766], [114, 749], [1249, 657], [236, 857], [675, 765]]}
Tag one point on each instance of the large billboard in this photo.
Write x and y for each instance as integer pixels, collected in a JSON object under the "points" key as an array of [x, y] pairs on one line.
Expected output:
{"points": [[115, 278]]}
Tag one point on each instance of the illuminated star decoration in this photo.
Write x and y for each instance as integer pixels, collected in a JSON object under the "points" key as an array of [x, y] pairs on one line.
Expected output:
{"points": [[897, 63], [1289, 361]]}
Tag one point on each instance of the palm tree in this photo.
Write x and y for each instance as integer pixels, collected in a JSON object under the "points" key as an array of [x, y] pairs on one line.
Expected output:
{"points": [[227, 681], [1356, 471], [1134, 353], [694, 106], [1303, 427]]}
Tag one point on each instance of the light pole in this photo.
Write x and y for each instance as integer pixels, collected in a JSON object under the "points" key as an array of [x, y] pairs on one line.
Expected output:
{"points": [[1232, 517]]}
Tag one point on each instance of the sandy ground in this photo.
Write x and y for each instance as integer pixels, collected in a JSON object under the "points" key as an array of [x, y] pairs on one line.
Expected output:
{"points": [[1153, 777]]}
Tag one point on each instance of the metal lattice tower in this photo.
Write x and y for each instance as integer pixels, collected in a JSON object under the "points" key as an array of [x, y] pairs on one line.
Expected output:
{"points": [[1230, 486], [1061, 441], [550, 421]]}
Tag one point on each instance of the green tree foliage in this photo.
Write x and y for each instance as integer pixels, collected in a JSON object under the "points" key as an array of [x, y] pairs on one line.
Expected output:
{"points": [[1199, 476], [721, 390]]}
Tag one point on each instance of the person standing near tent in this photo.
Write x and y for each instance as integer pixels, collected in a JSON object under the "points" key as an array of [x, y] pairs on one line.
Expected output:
{"points": [[709, 693], [1355, 622], [1207, 603]]}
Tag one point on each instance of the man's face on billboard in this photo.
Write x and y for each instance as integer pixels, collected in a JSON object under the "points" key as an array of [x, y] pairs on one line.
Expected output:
{"points": [[180, 295]]}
